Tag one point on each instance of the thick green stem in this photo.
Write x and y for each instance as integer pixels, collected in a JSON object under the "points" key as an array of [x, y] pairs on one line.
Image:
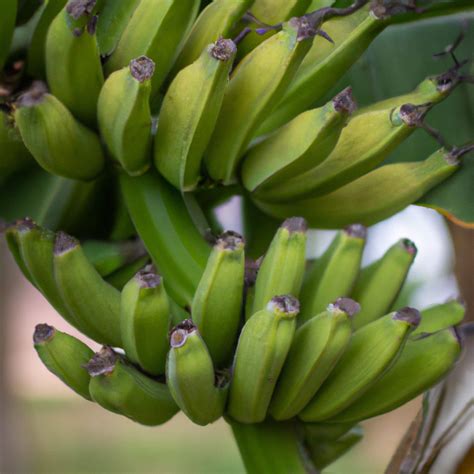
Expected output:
{"points": [[272, 448]]}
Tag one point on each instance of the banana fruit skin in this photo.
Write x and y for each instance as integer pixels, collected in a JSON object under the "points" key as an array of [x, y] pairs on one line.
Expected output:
{"points": [[58, 142], [65, 357], [379, 284], [440, 316], [189, 114], [317, 346], [191, 378], [325, 281], [422, 363], [217, 304], [254, 87], [299, 145], [71, 52], [372, 350], [261, 352], [92, 303], [287, 250], [120, 388], [145, 321], [124, 115], [7, 26]]}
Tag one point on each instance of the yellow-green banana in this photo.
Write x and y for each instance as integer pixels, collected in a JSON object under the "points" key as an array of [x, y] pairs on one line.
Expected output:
{"points": [[145, 321], [58, 142], [193, 383], [120, 388], [91, 301], [7, 26], [189, 114], [261, 352], [441, 316], [423, 363], [372, 350], [255, 86], [217, 304], [124, 115], [72, 52], [317, 346], [299, 146], [333, 274], [282, 269]]}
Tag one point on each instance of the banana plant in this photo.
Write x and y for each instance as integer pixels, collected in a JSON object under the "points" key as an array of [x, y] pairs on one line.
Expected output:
{"points": [[125, 125]]}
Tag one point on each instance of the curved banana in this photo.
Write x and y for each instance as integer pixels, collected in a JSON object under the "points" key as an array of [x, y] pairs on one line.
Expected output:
{"points": [[298, 146], [145, 321], [13, 242], [371, 352], [317, 346], [440, 316], [189, 114], [261, 352], [190, 375], [124, 115], [57, 141], [7, 26], [254, 88], [65, 357], [120, 388], [217, 303], [333, 274], [72, 52]]}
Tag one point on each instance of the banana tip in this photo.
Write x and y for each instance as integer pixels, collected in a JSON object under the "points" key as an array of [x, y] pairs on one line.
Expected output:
{"points": [[230, 240], [304, 26], [26, 224], [102, 362], [409, 315], [180, 333], [358, 231], [142, 68], [409, 246], [295, 224], [78, 8], [33, 96], [148, 277], [284, 304], [64, 242], [223, 49], [344, 102], [43, 333], [347, 305]]}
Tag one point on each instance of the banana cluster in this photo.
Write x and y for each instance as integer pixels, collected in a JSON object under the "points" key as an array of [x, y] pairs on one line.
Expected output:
{"points": [[217, 95]]}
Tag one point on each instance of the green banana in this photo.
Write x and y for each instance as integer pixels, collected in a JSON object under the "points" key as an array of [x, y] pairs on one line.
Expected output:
{"points": [[71, 53], [317, 346], [124, 115], [254, 87], [441, 316], [13, 243], [190, 375], [422, 364], [375, 196], [156, 30], [120, 388], [217, 304], [282, 268], [298, 146], [372, 350], [57, 141], [168, 232], [7, 26], [189, 114], [91, 302], [379, 284], [145, 321], [333, 274], [65, 357], [261, 352], [215, 21]]}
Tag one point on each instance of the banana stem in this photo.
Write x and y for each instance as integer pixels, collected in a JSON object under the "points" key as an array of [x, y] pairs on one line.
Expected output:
{"points": [[272, 448]]}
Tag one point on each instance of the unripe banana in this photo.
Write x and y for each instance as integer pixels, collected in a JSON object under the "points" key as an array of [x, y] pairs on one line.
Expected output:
{"points": [[195, 387], [65, 357], [298, 146], [124, 115], [92, 302], [189, 113], [156, 30], [317, 346], [282, 268], [13, 242], [261, 352], [333, 274], [145, 321], [120, 388], [372, 350], [71, 53], [217, 304], [57, 141], [440, 316], [254, 88], [379, 284], [422, 364], [7, 26]]}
